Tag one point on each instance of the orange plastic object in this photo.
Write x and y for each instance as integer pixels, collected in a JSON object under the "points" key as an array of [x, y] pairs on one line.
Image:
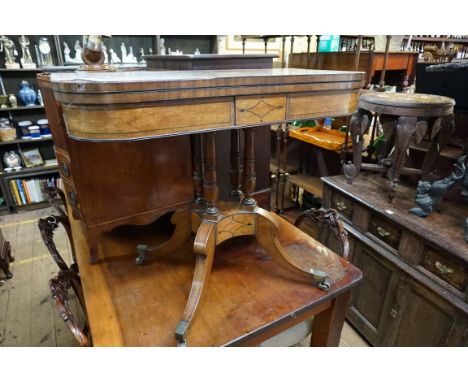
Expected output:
{"points": [[326, 139]]}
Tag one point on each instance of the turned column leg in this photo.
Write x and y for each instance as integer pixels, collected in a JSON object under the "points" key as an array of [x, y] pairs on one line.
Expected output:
{"points": [[406, 127], [210, 186], [279, 132], [196, 142], [285, 164], [249, 178], [236, 164]]}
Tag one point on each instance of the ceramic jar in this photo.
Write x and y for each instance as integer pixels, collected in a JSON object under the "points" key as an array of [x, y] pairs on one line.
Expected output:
{"points": [[44, 128], [24, 127], [27, 95]]}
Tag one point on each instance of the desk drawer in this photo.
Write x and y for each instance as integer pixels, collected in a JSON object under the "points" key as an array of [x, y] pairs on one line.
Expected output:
{"points": [[342, 204], [450, 269], [385, 231]]}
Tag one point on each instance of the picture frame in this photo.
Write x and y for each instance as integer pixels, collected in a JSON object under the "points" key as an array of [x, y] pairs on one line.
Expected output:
{"points": [[32, 157]]}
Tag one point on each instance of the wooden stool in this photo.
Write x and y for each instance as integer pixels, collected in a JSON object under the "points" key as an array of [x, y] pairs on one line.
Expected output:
{"points": [[403, 116]]}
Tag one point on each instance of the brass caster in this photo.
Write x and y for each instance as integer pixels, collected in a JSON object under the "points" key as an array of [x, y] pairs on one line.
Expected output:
{"points": [[141, 250]]}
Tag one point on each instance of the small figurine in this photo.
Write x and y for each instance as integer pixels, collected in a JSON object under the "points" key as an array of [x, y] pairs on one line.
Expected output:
{"points": [[44, 48], [8, 46], [26, 60], [429, 195], [114, 59], [104, 51], [123, 50], [78, 58], [197, 52], [142, 56], [66, 53], [163, 48]]}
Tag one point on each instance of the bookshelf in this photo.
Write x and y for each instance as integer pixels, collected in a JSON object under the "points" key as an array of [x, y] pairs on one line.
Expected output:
{"points": [[10, 80]]}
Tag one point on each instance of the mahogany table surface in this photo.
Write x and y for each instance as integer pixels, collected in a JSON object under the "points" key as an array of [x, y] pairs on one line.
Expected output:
{"points": [[248, 299]]}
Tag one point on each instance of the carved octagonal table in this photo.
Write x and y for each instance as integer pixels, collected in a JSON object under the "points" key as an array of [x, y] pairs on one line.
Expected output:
{"points": [[103, 107], [403, 117]]}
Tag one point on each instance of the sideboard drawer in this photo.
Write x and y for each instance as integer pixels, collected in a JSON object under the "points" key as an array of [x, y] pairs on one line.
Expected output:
{"points": [[385, 231], [448, 269], [342, 204]]}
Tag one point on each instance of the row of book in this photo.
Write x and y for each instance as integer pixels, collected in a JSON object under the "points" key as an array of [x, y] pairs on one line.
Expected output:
{"points": [[27, 191]]}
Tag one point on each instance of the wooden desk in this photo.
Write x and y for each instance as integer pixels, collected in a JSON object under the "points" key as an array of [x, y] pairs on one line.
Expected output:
{"points": [[249, 298]]}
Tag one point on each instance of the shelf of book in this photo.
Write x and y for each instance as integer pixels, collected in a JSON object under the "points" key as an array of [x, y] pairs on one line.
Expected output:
{"points": [[27, 192]]}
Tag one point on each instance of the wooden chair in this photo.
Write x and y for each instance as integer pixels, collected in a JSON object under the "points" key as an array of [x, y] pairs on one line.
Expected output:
{"points": [[331, 220], [68, 276]]}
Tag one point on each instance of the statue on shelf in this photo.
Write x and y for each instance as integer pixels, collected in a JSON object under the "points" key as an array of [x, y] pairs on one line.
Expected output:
{"points": [[78, 58], [163, 48], [104, 51], [26, 60], [114, 58], [44, 49], [8, 46], [66, 53], [142, 56], [123, 49]]}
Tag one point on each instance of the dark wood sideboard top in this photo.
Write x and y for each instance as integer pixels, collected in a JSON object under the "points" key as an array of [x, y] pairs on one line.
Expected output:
{"points": [[444, 229]]}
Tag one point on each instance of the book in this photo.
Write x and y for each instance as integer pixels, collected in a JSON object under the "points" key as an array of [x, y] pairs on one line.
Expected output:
{"points": [[15, 192], [31, 190], [32, 157], [21, 191], [26, 193]]}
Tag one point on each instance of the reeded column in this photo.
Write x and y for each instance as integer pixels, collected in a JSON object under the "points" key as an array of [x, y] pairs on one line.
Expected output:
{"points": [[210, 186], [236, 164], [249, 179], [196, 141]]}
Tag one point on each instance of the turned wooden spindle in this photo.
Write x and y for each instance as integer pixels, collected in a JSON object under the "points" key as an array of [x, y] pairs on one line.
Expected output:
{"points": [[196, 141], [382, 74], [317, 52], [236, 164], [248, 183], [358, 53], [210, 186], [279, 133]]}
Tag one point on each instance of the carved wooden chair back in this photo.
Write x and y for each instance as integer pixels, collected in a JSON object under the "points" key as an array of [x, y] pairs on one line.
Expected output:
{"points": [[331, 219], [68, 276]]}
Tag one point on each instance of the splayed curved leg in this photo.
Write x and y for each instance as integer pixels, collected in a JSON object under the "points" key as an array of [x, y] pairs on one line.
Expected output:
{"points": [[204, 248], [406, 127], [359, 124], [267, 236], [182, 231]]}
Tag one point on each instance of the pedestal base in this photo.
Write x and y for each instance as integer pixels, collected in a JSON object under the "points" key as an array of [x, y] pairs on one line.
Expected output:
{"points": [[286, 244]]}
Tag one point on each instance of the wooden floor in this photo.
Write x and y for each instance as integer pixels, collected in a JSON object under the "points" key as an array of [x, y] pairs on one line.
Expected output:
{"points": [[27, 313]]}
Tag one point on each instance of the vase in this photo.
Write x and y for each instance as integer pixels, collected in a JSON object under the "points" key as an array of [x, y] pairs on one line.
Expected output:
{"points": [[27, 95]]}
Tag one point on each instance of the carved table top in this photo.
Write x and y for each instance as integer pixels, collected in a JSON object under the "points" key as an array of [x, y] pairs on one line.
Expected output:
{"points": [[417, 105], [148, 104]]}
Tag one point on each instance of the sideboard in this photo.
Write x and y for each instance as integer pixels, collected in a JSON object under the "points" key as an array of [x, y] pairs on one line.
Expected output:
{"points": [[415, 286], [400, 67]]}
